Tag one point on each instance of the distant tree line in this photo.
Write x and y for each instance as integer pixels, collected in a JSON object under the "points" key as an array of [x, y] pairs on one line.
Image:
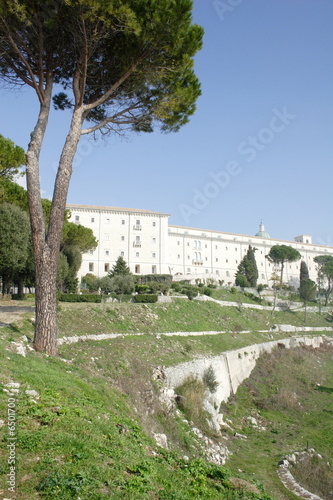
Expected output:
{"points": [[16, 255]]}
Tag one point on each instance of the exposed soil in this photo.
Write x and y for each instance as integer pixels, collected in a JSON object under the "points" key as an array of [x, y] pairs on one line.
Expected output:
{"points": [[12, 311]]}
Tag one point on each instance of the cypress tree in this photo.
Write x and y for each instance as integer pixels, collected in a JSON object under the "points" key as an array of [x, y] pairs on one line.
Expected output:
{"points": [[120, 268], [304, 272], [251, 267], [247, 272]]}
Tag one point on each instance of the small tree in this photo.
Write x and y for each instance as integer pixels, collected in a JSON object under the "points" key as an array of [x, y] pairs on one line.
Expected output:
{"points": [[307, 293], [325, 275], [247, 272], [279, 255], [303, 275], [120, 268], [91, 281], [121, 284], [241, 279], [260, 288], [304, 272], [251, 267]]}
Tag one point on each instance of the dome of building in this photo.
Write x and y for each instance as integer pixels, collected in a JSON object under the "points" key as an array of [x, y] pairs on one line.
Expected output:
{"points": [[262, 233]]}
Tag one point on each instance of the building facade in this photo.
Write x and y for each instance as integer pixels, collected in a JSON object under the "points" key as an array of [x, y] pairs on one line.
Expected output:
{"points": [[150, 245]]}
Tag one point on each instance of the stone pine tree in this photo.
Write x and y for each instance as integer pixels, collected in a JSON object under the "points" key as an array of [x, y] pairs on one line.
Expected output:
{"points": [[12, 158], [247, 272], [14, 242], [122, 65], [279, 255], [325, 275]]}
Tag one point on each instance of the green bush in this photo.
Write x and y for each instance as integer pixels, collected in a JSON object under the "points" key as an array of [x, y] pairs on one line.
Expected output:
{"points": [[160, 278], [253, 297], [145, 297], [76, 297], [191, 291], [17, 296], [141, 288], [241, 280], [209, 379]]}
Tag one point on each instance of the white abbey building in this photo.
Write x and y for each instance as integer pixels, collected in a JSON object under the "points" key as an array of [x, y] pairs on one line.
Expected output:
{"points": [[150, 245]]}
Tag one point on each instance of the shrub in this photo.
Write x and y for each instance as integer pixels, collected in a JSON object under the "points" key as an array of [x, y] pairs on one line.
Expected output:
{"points": [[241, 281], [17, 296], [145, 298], [141, 288], [75, 297], [190, 400], [176, 287], [159, 278], [191, 293], [253, 297], [209, 379]]}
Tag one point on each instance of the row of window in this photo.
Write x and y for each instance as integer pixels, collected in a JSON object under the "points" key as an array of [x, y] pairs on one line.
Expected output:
{"points": [[137, 254], [122, 238], [137, 224], [107, 268], [197, 245]]}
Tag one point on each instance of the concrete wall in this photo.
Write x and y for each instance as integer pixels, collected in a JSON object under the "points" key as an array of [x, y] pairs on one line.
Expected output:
{"points": [[231, 367]]}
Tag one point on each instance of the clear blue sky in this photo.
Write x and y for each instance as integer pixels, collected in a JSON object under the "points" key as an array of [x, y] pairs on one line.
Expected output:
{"points": [[259, 146]]}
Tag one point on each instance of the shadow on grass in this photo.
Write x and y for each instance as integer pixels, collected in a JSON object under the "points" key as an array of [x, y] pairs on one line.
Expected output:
{"points": [[322, 388]]}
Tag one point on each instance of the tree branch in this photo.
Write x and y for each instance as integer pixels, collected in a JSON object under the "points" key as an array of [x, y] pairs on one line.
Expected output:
{"points": [[33, 83], [107, 95], [112, 119]]}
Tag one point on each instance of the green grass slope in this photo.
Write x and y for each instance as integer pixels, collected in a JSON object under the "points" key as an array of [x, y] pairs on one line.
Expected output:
{"points": [[83, 436], [87, 432], [290, 396]]}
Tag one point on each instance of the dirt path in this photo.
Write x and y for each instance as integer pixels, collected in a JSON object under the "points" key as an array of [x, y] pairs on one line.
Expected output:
{"points": [[12, 311]]}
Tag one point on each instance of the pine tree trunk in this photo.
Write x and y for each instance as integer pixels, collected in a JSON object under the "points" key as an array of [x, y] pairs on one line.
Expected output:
{"points": [[46, 246], [46, 329]]}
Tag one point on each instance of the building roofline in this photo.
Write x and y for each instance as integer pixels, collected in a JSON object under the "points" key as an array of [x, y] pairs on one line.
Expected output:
{"points": [[73, 206], [260, 238]]}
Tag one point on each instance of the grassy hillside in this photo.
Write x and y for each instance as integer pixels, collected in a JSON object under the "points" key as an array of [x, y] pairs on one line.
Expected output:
{"points": [[290, 396], [181, 315], [87, 432]]}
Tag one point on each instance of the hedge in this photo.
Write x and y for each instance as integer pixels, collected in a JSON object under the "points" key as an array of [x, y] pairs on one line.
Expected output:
{"points": [[76, 297], [145, 297]]}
